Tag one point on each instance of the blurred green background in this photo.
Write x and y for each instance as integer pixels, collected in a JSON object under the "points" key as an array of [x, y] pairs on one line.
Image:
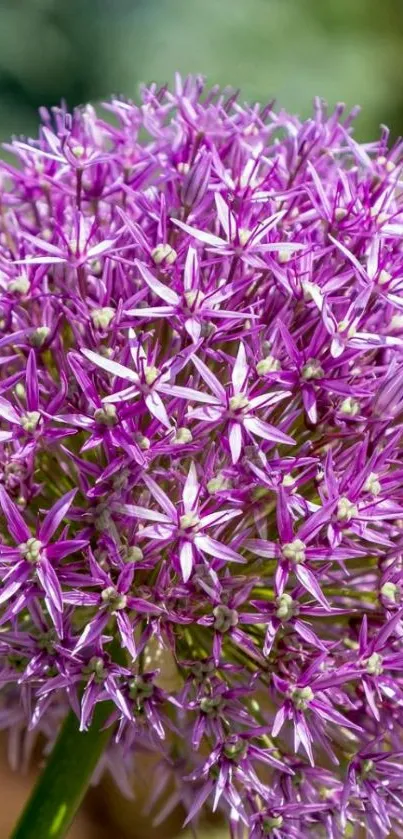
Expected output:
{"points": [[80, 50]]}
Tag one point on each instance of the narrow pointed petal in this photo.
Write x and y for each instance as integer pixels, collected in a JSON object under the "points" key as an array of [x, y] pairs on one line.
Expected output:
{"points": [[32, 383], [50, 583], [13, 582], [15, 522], [191, 490], [92, 631], [151, 312], [226, 217], [65, 547], [193, 328], [157, 408], [121, 395], [262, 548], [210, 379], [201, 235], [126, 633], [7, 412], [235, 441], [139, 512], [113, 367], [240, 370], [55, 516], [186, 559], [161, 498], [310, 583], [217, 549], [189, 393], [190, 274], [220, 517], [267, 432], [161, 290]]}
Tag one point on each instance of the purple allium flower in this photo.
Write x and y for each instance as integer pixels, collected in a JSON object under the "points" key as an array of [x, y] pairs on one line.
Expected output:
{"points": [[201, 405]]}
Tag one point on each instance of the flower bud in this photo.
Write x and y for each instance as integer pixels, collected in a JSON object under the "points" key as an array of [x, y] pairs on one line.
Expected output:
{"points": [[267, 365], [39, 337], [350, 407], [301, 697], [113, 600], [20, 285], [390, 591], [134, 554], [374, 665], [294, 551], [30, 420], [312, 370], [101, 318], [182, 436], [196, 181], [164, 253], [346, 510], [224, 618]]}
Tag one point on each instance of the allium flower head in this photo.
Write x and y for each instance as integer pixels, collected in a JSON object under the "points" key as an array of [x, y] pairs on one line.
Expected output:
{"points": [[201, 404]]}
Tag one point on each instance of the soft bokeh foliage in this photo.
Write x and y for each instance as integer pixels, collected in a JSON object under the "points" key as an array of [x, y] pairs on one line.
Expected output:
{"points": [[289, 49]]}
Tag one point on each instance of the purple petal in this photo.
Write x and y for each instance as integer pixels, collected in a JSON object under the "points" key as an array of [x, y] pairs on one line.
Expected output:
{"points": [[387, 630], [113, 367], [220, 517], [157, 408], [329, 713], [144, 513], [235, 441], [268, 400], [31, 378], [201, 235], [268, 432], [284, 519], [210, 379], [226, 217], [191, 490], [240, 370], [151, 312], [193, 328], [122, 395], [50, 583], [144, 606], [88, 702], [308, 635], [15, 522], [217, 549], [188, 393], [310, 583], [101, 247], [13, 581], [126, 633], [65, 547], [186, 559], [279, 721], [262, 548], [161, 290], [55, 516], [161, 532], [9, 413], [161, 498], [92, 631]]}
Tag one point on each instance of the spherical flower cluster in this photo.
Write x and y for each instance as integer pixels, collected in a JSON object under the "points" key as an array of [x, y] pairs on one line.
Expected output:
{"points": [[201, 402]]}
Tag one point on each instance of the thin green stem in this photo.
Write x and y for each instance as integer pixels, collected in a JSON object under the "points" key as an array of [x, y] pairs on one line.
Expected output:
{"points": [[62, 785]]}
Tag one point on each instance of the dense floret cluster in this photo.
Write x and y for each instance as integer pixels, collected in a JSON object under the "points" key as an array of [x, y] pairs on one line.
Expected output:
{"points": [[201, 402]]}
